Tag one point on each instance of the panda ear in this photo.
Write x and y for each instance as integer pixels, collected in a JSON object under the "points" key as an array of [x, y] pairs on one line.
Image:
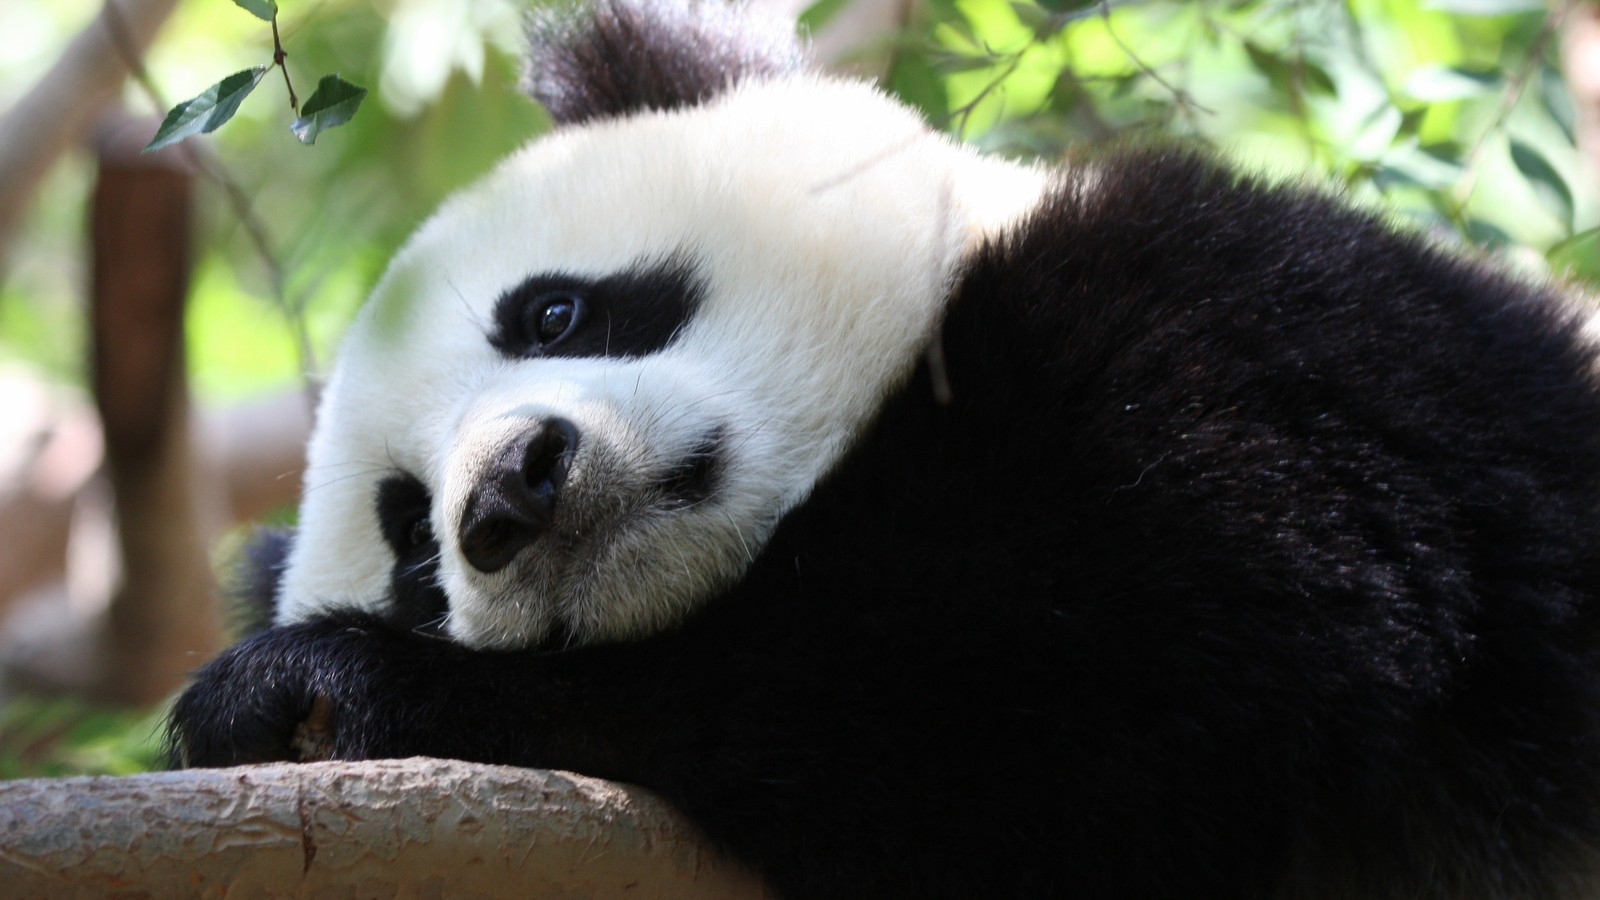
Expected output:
{"points": [[610, 58]]}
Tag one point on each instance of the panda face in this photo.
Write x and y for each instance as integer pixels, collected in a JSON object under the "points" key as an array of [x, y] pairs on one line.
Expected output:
{"points": [[587, 390]]}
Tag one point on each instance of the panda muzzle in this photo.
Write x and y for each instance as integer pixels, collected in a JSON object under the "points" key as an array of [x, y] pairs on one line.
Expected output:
{"points": [[514, 501]]}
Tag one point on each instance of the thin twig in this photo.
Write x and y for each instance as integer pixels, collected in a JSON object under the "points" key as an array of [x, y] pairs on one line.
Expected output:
{"points": [[963, 113], [278, 56], [1509, 98], [1184, 99], [1083, 104]]}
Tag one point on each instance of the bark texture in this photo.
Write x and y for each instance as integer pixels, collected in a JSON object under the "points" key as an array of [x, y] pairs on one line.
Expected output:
{"points": [[394, 828]]}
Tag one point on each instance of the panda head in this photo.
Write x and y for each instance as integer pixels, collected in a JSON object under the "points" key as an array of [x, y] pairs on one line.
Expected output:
{"points": [[587, 390]]}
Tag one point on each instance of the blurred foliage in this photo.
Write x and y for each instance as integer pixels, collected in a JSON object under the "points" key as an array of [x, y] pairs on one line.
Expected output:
{"points": [[62, 736], [1451, 112], [447, 107]]}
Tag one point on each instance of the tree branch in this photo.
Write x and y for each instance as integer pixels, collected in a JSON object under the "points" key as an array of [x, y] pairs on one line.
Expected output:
{"points": [[59, 110], [386, 828]]}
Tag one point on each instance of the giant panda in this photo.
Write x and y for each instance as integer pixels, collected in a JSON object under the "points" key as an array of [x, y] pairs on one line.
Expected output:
{"points": [[928, 525]]}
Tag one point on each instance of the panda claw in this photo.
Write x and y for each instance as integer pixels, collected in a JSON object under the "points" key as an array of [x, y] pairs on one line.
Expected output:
{"points": [[313, 739]]}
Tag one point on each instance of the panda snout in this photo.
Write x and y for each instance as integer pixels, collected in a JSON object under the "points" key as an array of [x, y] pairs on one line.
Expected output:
{"points": [[514, 501]]}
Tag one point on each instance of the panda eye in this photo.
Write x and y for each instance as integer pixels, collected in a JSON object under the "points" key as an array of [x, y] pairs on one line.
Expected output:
{"points": [[402, 512], [419, 534], [550, 317]]}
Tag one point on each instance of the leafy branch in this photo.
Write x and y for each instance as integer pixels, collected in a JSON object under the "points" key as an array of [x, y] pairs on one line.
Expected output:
{"points": [[1527, 161], [333, 103], [236, 196]]}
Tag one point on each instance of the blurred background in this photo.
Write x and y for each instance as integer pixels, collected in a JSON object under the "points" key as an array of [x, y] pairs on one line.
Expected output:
{"points": [[165, 318]]}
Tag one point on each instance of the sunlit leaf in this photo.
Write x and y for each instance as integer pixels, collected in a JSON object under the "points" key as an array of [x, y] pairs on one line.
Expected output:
{"points": [[1439, 84], [915, 79], [1316, 79], [1578, 256], [1557, 102], [1486, 7], [1290, 74], [265, 10], [207, 112], [1487, 234], [1269, 64], [1430, 168], [1546, 182], [332, 104], [820, 13], [1411, 122], [1038, 19], [956, 21]]}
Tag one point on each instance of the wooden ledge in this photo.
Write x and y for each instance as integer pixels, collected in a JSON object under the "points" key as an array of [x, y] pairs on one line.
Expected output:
{"points": [[392, 828]]}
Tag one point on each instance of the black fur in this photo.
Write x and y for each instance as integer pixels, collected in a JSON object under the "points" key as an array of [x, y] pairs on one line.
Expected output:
{"points": [[402, 507], [1254, 557], [622, 58], [251, 583]]}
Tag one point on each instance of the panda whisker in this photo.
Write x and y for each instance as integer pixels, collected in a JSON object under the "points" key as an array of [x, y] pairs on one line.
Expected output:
{"points": [[343, 464], [433, 629], [484, 326], [739, 533], [365, 473], [423, 565]]}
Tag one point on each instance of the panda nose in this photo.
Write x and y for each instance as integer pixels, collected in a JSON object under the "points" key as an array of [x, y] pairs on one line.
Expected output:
{"points": [[514, 502]]}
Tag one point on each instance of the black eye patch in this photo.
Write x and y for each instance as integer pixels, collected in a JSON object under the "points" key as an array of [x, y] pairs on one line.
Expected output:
{"points": [[403, 506], [631, 313]]}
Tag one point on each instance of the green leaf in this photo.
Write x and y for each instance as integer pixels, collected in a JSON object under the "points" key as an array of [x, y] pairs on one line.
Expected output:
{"points": [[206, 113], [1558, 102], [1036, 18], [1487, 234], [1317, 79], [1411, 122], [332, 104], [915, 80], [1486, 7], [1440, 84], [265, 10], [1578, 256], [1269, 64], [1546, 182], [817, 14], [1286, 75]]}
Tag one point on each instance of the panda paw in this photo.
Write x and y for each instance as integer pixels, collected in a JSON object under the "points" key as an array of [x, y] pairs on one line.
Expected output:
{"points": [[297, 693]]}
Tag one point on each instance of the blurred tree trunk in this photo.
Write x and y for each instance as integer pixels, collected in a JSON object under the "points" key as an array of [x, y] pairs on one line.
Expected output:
{"points": [[164, 616]]}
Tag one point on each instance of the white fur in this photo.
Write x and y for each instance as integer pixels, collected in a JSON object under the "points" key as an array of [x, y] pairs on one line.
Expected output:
{"points": [[825, 222]]}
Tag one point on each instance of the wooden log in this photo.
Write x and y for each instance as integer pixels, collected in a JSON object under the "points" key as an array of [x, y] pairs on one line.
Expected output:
{"points": [[392, 828]]}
